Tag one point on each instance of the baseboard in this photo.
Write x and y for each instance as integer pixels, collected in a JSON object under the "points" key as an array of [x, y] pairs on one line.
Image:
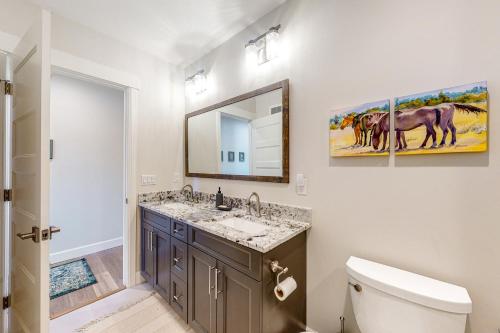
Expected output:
{"points": [[85, 250]]}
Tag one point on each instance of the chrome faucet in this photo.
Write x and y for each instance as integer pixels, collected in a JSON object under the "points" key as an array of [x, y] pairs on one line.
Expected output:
{"points": [[187, 190], [257, 204]]}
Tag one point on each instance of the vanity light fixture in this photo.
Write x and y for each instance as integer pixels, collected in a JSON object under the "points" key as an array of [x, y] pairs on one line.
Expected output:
{"points": [[197, 83], [265, 47]]}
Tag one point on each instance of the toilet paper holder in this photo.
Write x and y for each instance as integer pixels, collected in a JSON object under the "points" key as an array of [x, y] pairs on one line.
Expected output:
{"points": [[276, 268]]}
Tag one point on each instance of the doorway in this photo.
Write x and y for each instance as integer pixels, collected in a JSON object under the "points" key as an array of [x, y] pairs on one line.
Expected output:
{"points": [[87, 189]]}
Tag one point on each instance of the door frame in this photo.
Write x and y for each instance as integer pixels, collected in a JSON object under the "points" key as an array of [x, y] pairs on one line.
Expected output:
{"points": [[70, 65]]}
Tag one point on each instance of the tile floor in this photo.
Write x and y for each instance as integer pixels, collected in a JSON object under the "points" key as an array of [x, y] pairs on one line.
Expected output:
{"points": [[80, 317]]}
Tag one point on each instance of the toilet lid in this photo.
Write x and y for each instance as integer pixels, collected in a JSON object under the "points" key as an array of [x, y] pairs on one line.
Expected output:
{"points": [[410, 286]]}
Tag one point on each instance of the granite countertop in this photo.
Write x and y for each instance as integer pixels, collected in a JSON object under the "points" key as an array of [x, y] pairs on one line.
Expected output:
{"points": [[205, 216]]}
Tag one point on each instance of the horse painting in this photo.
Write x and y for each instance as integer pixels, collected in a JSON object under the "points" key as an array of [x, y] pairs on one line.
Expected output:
{"points": [[459, 112], [351, 129], [351, 121]]}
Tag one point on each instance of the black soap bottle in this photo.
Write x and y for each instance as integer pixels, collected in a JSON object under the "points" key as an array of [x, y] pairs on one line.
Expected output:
{"points": [[219, 198]]}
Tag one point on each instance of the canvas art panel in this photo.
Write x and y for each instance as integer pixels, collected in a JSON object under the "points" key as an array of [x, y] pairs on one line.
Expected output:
{"points": [[361, 130], [450, 120]]}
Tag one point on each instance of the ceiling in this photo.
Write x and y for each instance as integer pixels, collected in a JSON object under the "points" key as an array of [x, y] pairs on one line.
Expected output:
{"points": [[179, 31]]}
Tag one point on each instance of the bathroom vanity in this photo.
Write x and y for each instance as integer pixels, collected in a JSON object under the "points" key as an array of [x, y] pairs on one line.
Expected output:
{"points": [[213, 267]]}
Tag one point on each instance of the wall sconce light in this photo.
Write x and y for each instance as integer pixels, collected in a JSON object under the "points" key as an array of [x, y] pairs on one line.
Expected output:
{"points": [[196, 83], [265, 47]]}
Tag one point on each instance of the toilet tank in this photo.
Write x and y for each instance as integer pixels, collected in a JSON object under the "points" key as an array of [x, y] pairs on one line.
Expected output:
{"points": [[389, 300]]}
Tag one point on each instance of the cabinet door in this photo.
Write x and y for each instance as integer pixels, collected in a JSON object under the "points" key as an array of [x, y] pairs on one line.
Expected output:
{"points": [[202, 304], [147, 253], [238, 302], [162, 263]]}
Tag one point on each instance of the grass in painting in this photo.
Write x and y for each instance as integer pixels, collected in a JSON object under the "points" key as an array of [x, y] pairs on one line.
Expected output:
{"points": [[454, 120], [351, 130]]}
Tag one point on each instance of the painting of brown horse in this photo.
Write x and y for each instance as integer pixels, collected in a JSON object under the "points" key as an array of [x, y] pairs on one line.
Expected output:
{"points": [[350, 121], [454, 118]]}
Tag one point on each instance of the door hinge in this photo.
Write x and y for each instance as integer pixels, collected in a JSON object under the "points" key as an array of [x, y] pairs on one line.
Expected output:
{"points": [[7, 195], [6, 302], [8, 88]]}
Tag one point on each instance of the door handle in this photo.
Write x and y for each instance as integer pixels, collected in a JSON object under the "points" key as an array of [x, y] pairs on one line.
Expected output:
{"points": [[34, 235], [53, 230]]}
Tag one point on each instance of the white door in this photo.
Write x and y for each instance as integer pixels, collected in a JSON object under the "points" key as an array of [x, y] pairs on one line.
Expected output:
{"points": [[30, 179], [267, 146]]}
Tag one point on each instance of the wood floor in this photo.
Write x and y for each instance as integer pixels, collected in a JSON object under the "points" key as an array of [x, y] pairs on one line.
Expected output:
{"points": [[152, 315], [107, 267]]}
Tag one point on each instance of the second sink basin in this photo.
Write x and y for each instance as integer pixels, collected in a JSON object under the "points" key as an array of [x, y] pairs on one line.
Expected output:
{"points": [[245, 226]]}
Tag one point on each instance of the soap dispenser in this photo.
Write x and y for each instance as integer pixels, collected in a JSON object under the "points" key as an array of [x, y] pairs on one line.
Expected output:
{"points": [[219, 199]]}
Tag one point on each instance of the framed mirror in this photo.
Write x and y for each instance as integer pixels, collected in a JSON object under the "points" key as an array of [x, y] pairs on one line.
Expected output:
{"points": [[245, 137]]}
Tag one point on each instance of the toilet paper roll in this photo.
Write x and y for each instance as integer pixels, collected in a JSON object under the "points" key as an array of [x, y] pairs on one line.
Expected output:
{"points": [[285, 288]]}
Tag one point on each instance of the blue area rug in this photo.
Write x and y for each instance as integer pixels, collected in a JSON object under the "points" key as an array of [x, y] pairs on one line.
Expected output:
{"points": [[70, 276]]}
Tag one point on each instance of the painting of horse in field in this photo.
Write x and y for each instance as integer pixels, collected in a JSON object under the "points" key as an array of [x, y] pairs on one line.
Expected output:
{"points": [[452, 120], [351, 130]]}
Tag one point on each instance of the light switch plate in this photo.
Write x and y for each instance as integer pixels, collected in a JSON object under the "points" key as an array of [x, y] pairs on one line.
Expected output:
{"points": [[148, 180], [301, 184]]}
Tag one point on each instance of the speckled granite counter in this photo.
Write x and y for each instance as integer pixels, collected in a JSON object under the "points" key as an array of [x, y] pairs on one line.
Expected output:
{"points": [[282, 222]]}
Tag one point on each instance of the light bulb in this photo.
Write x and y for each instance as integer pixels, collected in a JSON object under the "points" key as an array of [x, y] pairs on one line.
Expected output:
{"points": [[200, 83], [272, 44]]}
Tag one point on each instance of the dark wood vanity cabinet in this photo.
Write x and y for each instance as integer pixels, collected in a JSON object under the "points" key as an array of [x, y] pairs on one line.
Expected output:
{"points": [[147, 253], [161, 245], [222, 299], [219, 286]]}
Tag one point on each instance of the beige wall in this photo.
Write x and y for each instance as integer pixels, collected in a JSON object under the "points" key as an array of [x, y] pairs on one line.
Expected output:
{"points": [[435, 215]]}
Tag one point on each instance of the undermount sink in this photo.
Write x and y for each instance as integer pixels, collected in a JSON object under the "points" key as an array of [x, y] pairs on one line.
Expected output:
{"points": [[245, 226]]}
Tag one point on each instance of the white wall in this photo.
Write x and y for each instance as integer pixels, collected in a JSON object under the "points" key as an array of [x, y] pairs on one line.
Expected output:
{"points": [[86, 174], [264, 102], [204, 137], [161, 104], [435, 215], [160, 100]]}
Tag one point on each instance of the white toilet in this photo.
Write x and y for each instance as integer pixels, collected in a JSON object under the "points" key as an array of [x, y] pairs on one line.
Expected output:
{"points": [[389, 300]]}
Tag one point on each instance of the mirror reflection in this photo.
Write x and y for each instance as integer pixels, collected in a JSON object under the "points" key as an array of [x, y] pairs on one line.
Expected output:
{"points": [[244, 138]]}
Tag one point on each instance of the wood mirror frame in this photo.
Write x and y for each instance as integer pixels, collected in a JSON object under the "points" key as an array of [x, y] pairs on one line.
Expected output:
{"points": [[285, 177]]}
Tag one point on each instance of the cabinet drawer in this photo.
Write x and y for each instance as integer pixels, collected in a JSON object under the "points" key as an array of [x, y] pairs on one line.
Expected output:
{"points": [[244, 259], [179, 297], [178, 261], [179, 230], [157, 220]]}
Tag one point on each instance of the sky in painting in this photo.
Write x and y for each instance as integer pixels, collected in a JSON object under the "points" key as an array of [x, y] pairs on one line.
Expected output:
{"points": [[461, 88], [363, 107]]}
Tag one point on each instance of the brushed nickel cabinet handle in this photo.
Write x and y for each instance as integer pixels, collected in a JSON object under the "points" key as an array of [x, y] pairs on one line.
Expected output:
{"points": [[176, 260], [210, 279], [217, 292]]}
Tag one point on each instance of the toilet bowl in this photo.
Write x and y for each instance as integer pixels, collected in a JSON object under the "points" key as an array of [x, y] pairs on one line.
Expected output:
{"points": [[389, 300]]}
